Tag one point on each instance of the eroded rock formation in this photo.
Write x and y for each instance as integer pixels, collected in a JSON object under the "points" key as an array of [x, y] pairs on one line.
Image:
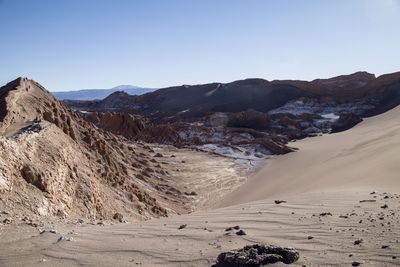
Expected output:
{"points": [[61, 164], [119, 123]]}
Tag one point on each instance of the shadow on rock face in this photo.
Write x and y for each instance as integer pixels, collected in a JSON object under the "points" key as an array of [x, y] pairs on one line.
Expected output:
{"points": [[34, 177]]}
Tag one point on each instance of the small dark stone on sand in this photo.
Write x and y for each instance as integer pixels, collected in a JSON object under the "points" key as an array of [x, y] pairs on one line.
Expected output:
{"points": [[367, 200], [182, 226], [237, 227], [385, 246], [355, 263], [358, 242], [240, 232], [310, 237], [384, 206]]}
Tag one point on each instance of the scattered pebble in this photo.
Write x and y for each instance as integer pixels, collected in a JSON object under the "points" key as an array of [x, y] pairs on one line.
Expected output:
{"points": [[65, 238], [182, 226], [232, 228], [240, 232]]}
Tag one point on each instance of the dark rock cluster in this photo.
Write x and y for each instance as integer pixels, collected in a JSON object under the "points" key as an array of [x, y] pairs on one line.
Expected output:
{"points": [[257, 255]]}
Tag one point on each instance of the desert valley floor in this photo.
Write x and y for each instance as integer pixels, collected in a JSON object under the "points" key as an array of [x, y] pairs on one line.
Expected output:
{"points": [[341, 206]]}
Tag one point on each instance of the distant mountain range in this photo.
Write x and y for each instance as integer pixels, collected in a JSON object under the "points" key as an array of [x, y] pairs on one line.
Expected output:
{"points": [[94, 94]]}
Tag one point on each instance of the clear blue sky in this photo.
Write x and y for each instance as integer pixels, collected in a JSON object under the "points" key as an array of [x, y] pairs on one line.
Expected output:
{"points": [[76, 44]]}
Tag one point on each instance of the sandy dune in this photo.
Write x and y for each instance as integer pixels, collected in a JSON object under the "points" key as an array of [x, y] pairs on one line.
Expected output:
{"points": [[366, 157], [331, 174]]}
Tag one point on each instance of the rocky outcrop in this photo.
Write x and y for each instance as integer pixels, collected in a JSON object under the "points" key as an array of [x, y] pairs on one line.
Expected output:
{"points": [[248, 119], [345, 121], [257, 255], [161, 134], [383, 93], [194, 135], [118, 123], [276, 144]]}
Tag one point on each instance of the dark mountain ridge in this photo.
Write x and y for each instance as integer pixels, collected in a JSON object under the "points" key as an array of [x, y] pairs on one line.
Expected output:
{"points": [[258, 94]]}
